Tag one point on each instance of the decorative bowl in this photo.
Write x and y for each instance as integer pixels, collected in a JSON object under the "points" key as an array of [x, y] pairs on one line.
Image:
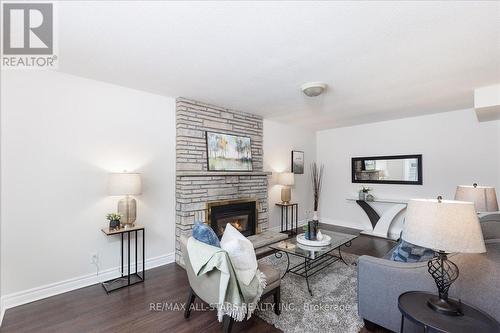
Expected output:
{"points": [[324, 242]]}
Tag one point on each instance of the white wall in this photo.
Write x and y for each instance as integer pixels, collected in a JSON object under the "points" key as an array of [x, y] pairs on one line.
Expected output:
{"points": [[279, 141], [487, 102], [456, 149], [61, 135], [487, 96]]}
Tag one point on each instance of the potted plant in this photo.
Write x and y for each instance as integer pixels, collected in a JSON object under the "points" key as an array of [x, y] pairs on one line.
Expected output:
{"points": [[114, 220], [363, 192]]}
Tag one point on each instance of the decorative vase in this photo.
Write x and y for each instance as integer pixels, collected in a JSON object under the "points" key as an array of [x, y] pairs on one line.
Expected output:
{"points": [[319, 235], [315, 216], [313, 229], [114, 224], [361, 195], [306, 231]]}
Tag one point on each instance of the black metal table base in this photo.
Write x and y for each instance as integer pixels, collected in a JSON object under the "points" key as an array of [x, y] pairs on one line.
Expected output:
{"points": [[310, 267], [289, 218], [130, 278]]}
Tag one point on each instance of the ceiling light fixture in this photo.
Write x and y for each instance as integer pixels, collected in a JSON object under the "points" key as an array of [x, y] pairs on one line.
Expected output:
{"points": [[313, 89]]}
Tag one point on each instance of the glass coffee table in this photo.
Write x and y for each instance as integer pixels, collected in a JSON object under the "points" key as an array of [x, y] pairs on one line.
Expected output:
{"points": [[316, 258]]}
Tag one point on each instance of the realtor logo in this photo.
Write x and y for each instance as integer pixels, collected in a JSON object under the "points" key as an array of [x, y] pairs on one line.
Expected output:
{"points": [[28, 29]]}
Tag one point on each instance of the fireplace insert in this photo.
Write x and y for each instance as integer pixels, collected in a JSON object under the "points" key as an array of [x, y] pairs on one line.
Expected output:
{"points": [[240, 213]]}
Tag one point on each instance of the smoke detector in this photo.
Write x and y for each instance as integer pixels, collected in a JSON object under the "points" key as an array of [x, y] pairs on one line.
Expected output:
{"points": [[313, 89]]}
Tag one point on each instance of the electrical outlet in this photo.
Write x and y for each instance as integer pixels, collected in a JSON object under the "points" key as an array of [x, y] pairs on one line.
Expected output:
{"points": [[94, 258]]}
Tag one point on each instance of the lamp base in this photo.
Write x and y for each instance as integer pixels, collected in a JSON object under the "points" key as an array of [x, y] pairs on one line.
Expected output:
{"points": [[286, 194], [444, 272], [127, 208], [447, 307]]}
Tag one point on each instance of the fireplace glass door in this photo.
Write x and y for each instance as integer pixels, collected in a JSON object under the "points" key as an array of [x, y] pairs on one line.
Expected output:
{"points": [[241, 216]]}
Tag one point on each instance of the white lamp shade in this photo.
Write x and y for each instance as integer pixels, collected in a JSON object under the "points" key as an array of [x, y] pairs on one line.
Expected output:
{"points": [[286, 178], [449, 226], [124, 184], [483, 197]]}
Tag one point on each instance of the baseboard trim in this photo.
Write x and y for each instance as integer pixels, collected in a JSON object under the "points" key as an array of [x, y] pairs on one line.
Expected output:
{"points": [[38, 293], [347, 224], [329, 221], [372, 234], [277, 228]]}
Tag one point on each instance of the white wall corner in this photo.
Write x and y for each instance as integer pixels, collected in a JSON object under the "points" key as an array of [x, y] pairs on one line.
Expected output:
{"points": [[2, 312], [38, 293], [279, 141], [487, 102]]}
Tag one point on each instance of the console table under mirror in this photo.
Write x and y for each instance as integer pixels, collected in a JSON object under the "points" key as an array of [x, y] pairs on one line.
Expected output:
{"points": [[381, 223], [392, 170]]}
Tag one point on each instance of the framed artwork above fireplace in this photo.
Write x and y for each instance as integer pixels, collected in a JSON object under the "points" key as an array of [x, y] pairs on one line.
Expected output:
{"points": [[226, 152]]}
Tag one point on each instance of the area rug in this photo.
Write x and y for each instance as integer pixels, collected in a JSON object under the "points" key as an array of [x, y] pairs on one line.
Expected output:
{"points": [[332, 308]]}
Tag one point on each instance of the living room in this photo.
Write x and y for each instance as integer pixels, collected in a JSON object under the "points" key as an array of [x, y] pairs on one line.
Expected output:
{"points": [[314, 160]]}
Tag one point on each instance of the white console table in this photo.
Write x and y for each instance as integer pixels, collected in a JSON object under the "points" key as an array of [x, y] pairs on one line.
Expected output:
{"points": [[381, 224]]}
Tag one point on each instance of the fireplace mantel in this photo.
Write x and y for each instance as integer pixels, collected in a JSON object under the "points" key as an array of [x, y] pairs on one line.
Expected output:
{"points": [[222, 173]]}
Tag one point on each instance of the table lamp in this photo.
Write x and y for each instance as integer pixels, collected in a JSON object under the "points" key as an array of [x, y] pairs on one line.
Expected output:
{"points": [[286, 179], [483, 197], [445, 226], [126, 184]]}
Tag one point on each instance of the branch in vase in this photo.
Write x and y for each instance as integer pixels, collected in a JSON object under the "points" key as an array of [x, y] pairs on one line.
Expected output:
{"points": [[317, 181]]}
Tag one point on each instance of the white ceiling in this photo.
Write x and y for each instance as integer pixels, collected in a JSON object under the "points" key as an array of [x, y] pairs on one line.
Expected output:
{"points": [[381, 60]]}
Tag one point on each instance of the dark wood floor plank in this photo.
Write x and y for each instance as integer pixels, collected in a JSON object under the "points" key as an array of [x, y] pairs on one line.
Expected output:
{"points": [[90, 309], [364, 244]]}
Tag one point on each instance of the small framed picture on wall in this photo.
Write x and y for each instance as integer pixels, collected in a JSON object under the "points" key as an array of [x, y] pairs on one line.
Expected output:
{"points": [[297, 162]]}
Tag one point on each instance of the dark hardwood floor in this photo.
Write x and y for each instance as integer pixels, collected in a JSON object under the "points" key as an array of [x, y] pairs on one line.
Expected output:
{"points": [[372, 246], [90, 309]]}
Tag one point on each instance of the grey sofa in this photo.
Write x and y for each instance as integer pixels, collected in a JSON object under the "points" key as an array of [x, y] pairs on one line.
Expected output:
{"points": [[381, 281]]}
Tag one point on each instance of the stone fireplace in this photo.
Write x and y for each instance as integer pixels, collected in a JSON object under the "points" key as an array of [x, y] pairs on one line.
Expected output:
{"points": [[197, 189], [241, 214]]}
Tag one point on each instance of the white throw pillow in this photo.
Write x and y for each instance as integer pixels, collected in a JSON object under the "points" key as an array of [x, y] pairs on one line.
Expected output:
{"points": [[241, 253]]}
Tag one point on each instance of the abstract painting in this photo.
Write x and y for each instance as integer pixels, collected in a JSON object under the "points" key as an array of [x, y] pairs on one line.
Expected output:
{"points": [[227, 152]]}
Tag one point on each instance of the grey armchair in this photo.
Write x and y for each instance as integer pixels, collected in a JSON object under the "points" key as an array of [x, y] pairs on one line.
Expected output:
{"points": [[381, 281], [206, 287]]}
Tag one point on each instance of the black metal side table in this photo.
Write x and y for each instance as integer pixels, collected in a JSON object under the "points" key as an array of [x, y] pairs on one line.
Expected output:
{"points": [[289, 216], [413, 306], [129, 279]]}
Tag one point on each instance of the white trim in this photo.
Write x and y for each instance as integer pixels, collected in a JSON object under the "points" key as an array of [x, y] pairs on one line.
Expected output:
{"points": [[277, 228], [326, 220], [37, 293], [361, 227], [347, 224], [384, 236]]}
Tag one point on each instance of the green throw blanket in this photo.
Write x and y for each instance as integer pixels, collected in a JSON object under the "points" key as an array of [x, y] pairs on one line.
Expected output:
{"points": [[235, 299]]}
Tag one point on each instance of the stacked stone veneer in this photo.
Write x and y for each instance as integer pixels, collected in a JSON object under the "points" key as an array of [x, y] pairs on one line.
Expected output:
{"points": [[195, 186]]}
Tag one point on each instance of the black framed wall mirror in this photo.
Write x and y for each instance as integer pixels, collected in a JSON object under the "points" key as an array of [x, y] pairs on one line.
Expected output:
{"points": [[396, 169]]}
